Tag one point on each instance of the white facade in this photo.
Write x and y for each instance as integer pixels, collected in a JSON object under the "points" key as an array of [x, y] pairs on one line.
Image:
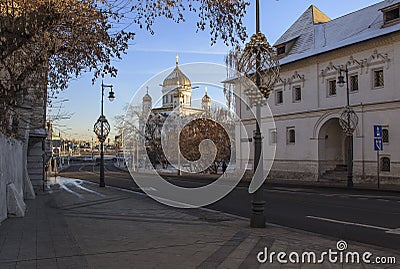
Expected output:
{"points": [[307, 102]]}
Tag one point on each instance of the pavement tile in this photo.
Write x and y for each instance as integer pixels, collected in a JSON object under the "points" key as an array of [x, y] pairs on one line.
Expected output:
{"points": [[45, 249], [270, 266], [291, 266], [72, 263], [8, 265], [10, 251], [328, 265], [46, 263], [26, 265]]}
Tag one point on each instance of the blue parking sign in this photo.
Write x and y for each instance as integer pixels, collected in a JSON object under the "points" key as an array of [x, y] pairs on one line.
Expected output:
{"points": [[378, 131], [378, 144]]}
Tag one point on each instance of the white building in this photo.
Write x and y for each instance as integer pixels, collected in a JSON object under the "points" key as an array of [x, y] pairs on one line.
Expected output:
{"points": [[307, 103]]}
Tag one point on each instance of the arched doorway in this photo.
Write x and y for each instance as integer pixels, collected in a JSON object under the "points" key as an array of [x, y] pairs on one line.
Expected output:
{"points": [[331, 147]]}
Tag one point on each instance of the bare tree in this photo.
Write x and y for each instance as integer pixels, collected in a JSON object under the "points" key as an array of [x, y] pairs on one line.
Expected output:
{"points": [[48, 42]]}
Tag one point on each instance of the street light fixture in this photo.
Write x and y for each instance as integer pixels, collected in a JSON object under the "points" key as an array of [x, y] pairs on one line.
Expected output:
{"points": [[111, 95], [348, 121], [258, 62], [102, 129]]}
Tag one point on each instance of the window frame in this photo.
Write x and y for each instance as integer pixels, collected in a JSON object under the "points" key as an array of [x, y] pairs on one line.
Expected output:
{"points": [[329, 82], [273, 134], [374, 72], [290, 130], [381, 166], [385, 128], [351, 88], [389, 10], [281, 50], [294, 91], [280, 91]]}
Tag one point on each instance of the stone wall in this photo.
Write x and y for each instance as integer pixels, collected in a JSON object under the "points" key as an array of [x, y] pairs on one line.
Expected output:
{"points": [[14, 180]]}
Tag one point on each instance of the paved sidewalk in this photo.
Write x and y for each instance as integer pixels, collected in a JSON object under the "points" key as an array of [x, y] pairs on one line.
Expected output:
{"points": [[79, 225]]}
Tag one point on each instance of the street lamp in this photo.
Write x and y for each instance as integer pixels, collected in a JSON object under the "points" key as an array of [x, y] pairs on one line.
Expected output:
{"points": [[258, 62], [348, 121], [102, 129]]}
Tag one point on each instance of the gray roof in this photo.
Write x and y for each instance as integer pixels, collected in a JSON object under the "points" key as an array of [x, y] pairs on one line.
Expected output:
{"points": [[314, 33]]}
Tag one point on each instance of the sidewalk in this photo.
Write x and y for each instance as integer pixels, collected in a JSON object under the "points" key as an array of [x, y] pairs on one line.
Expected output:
{"points": [[79, 225]]}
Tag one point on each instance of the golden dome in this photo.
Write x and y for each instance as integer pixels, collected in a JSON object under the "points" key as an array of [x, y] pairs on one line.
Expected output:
{"points": [[177, 77], [147, 97], [206, 98]]}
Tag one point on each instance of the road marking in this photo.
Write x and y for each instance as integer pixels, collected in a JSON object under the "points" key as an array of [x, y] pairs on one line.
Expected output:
{"points": [[145, 189], [64, 187], [382, 200], [351, 223], [340, 195], [376, 197], [394, 231], [80, 168]]}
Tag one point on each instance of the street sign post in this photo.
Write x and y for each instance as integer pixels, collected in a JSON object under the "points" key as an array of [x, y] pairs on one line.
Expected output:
{"points": [[378, 146]]}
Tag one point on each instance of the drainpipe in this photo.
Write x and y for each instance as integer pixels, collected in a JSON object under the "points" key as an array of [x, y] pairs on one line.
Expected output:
{"points": [[362, 141]]}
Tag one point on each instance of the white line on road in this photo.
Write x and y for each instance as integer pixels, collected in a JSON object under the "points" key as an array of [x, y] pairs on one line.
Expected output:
{"points": [[376, 197], [386, 230], [394, 231], [382, 200]]}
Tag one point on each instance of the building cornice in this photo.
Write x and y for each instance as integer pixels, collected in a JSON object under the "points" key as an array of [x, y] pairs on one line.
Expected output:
{"points": [[358, 108]]}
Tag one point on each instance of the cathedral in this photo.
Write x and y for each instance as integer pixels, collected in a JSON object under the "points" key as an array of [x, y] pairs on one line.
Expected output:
{"points": [[177, 99], [176, 95]]}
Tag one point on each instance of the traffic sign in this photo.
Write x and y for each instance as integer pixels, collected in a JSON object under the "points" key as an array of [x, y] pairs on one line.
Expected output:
{"points": [[378, 144], [378, 131]]}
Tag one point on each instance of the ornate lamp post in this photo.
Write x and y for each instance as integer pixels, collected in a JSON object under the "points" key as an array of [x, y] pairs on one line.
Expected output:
{"points": [[348, 121], [102, 129], [258, 62]]}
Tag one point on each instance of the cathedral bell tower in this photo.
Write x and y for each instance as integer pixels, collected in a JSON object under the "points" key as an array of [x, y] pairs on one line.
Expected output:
{"points": [[206, 102]]}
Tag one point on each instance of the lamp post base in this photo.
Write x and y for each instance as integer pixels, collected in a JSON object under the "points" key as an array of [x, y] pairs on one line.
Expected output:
{"points": [[350, 183], [102, 182], [257, 219], [350, 161]]}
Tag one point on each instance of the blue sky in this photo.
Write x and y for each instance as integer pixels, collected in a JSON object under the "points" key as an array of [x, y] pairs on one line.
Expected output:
{"points": [[149, 55]]}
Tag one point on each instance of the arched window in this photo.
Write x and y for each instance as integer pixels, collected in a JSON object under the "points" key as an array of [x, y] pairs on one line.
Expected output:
{"points": [[385, 164], [385, 135], [273, 135], [291, 135]]}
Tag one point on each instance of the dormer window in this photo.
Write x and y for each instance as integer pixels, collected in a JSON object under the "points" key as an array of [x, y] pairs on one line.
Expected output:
{"points": [[391, 15], [281, 50]]}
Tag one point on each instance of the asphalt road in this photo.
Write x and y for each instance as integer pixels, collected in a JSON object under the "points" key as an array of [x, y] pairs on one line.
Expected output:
{"points": [[371, 217]]}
